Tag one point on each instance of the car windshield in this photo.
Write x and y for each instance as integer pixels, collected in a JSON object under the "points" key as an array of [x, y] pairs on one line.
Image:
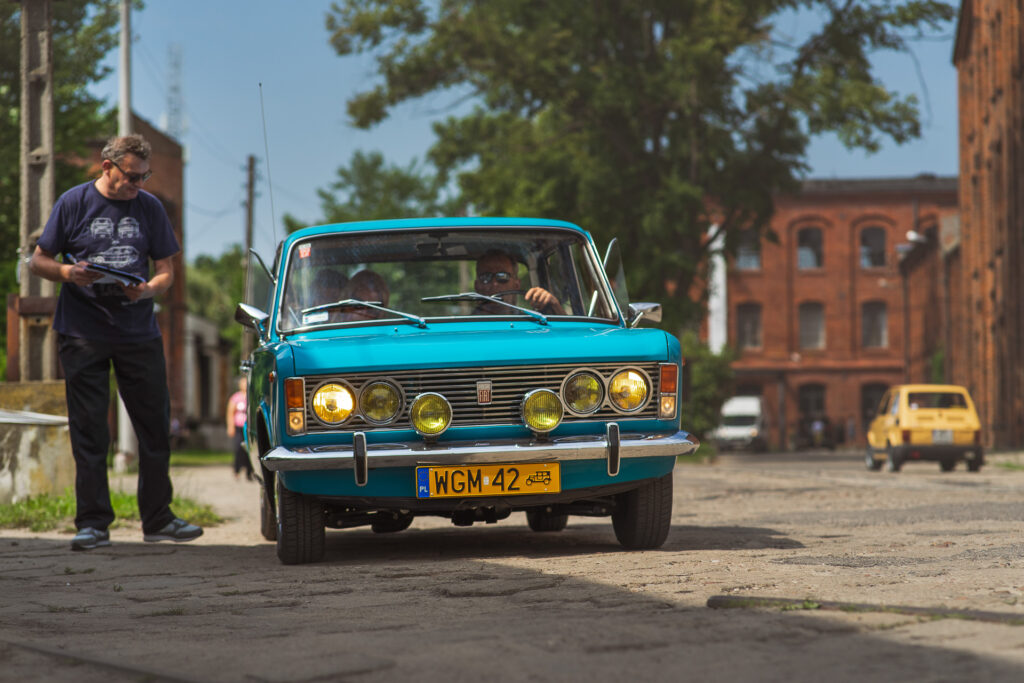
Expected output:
{"points": [[416, 276], [739, 420], [935, 399]]}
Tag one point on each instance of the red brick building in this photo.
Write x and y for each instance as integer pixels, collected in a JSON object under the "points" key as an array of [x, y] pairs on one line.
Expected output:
{"points": [[988, 347], [854, 297]]}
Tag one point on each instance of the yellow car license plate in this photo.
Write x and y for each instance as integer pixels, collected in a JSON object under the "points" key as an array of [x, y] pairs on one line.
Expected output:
{"points": [[516, 479]]}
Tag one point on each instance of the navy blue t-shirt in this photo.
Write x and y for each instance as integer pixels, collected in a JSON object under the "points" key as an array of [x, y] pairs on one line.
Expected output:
{"points": [[123, 234]]}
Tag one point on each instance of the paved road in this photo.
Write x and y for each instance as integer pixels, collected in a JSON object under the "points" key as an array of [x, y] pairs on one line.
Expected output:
{"points": [[909, 576]]}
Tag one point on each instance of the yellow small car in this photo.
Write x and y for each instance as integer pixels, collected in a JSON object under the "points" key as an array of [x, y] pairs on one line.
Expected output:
{"points": [[936, 422]]}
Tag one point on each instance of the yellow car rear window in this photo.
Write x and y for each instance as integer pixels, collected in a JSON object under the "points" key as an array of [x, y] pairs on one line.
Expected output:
{"points": [[935, 399]]}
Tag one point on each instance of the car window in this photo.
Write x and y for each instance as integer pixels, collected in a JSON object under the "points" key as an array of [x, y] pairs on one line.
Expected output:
{"points": [[399, 269], [883, 405], [894, 407], [917, 400]]}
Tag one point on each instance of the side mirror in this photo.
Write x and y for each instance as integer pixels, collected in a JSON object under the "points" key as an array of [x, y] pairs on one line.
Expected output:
{"points": [[640, 310], [253, 318]]}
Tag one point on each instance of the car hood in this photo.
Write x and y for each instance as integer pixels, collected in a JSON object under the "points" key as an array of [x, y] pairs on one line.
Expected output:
{"points": [[479, 344]]}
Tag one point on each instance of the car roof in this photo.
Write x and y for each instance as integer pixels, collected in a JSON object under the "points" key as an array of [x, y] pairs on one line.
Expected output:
{"points": [[930, 387], [451, 222]]}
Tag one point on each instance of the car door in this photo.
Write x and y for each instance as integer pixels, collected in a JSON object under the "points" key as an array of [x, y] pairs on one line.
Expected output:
{"points": [[878, 429]]}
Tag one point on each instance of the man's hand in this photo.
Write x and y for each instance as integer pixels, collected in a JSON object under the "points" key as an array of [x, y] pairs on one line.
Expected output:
{"points": [[140, 291], [544, 301], [79, 274]]}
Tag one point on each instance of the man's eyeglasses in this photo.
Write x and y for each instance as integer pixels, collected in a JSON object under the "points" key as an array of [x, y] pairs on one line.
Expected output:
{"points": [[133, 178], [501, 278]]}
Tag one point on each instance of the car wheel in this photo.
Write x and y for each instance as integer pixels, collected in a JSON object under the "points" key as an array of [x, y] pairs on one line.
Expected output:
{"points": [[947, 465], [300, 527], [268, 516], [892, 463], [643, 516], [545, 520], [389, 523], [870, 462], [975, 463]]}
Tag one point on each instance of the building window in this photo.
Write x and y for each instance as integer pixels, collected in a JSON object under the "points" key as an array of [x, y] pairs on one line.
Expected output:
{"points": [[809, 249], [812, 326], [748, 254], [811, 398], [872, 247], [748, 326], [874, 328]]}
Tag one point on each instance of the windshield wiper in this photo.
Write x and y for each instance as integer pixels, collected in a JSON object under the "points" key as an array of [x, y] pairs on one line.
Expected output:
{"points": [[375, 305], [476, 296]]}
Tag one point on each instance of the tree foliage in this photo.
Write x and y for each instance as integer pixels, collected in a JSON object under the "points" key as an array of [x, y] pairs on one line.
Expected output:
{"points": [[657, 122], [84, 32], [214, 286], [369, 189], [709, 381]]}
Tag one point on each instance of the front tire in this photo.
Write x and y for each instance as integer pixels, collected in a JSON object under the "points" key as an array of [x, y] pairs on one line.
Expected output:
{"points": [[300, 527], [892, 463], [545, 520], [975, 463], [643, 516], [268, 516], [870, 462]]}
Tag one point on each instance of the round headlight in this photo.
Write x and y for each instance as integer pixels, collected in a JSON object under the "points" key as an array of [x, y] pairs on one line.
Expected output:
{"points": [[379, 402], [583, 392], [628, 390], [542, 411], [430, 414], [333, 403]]}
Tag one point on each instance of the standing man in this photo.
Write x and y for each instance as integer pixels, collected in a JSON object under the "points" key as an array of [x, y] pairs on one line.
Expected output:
{"points": [[101, 322]]}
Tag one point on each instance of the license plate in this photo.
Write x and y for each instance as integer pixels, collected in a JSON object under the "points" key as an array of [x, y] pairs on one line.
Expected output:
{"points": [[942, 436], [488, 480]]}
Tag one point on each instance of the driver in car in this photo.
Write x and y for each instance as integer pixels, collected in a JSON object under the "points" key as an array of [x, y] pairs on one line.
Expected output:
{"points": [[497, 275]]}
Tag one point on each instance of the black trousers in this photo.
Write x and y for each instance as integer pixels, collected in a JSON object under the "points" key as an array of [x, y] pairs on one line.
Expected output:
{"points": [[142, 382]]}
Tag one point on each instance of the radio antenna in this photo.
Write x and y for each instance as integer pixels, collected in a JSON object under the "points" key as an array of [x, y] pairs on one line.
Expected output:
{"points": [[266, 151]]}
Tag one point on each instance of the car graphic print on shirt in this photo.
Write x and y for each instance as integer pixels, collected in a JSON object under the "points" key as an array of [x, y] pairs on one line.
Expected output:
{"points": [[127, 228], [101, 226], [118, 256]]}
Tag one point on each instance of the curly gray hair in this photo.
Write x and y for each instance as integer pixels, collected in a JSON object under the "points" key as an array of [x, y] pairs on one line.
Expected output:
{"points": [[117, 147]]}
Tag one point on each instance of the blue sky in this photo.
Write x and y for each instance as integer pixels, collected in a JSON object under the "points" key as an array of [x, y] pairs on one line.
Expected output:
{"points": [[229, 47]]}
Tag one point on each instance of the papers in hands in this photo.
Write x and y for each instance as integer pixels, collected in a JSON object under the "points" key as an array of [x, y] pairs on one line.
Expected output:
{"points": [[114, 275]]}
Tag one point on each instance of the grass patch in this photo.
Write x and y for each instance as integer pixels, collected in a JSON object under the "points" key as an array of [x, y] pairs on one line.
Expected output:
{"points": [[1015, 466], [200, 458], [48, 512]]}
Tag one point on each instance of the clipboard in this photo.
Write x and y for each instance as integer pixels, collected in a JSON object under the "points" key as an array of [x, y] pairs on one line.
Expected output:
{"points": [[115, 275]]}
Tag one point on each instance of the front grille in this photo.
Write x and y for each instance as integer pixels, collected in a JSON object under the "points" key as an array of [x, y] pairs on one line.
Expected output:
{"points": [[458, 385]]}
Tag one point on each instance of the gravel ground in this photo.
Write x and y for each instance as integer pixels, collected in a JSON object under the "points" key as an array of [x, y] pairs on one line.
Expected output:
{"points": [[778, 568]]}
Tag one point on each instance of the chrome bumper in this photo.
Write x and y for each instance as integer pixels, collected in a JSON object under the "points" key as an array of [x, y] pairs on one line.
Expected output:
{"points": [[611, 446]]}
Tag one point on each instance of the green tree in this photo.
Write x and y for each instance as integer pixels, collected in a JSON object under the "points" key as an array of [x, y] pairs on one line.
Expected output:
{"points": [[215, 287], [708, 382], [657, 122], [84, 32], [369, 189]]}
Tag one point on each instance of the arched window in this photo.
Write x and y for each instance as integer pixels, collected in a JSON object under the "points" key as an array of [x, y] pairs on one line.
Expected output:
{"points": [[812, 325], [748, 326], [748, 254], [874, 327], [811, 399], [809, 249], [872, 247]]}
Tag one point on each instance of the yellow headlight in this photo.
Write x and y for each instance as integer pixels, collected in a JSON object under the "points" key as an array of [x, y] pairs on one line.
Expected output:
{"points": [[430, 414], [628, 390], [333, 403], [583, 392], [379, 402], [542, 411]]}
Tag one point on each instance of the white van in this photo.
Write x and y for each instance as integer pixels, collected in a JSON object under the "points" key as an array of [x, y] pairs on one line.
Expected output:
{"points": [[742, 425]]}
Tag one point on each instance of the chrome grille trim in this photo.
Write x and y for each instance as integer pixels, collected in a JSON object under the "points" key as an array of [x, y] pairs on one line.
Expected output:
{"points": [[458, 385]]}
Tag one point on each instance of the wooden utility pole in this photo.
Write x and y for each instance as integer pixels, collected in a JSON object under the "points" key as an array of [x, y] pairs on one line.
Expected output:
{"points": [[37, 348], [249, 199]]}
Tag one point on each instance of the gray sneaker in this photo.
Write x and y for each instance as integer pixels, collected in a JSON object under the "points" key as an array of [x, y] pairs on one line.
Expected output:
{"points": [[178, 530], [88, 538]]}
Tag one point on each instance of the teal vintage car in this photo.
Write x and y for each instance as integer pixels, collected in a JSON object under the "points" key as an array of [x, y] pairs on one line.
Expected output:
{"points": [[461, 367]]}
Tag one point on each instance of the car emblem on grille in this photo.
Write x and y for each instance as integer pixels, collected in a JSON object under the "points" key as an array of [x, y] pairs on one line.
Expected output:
{"points": [[483, 392]]}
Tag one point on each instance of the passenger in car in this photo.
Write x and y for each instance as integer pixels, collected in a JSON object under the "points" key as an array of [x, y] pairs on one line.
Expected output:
{"points": [[365, 285], [497, 273]]}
